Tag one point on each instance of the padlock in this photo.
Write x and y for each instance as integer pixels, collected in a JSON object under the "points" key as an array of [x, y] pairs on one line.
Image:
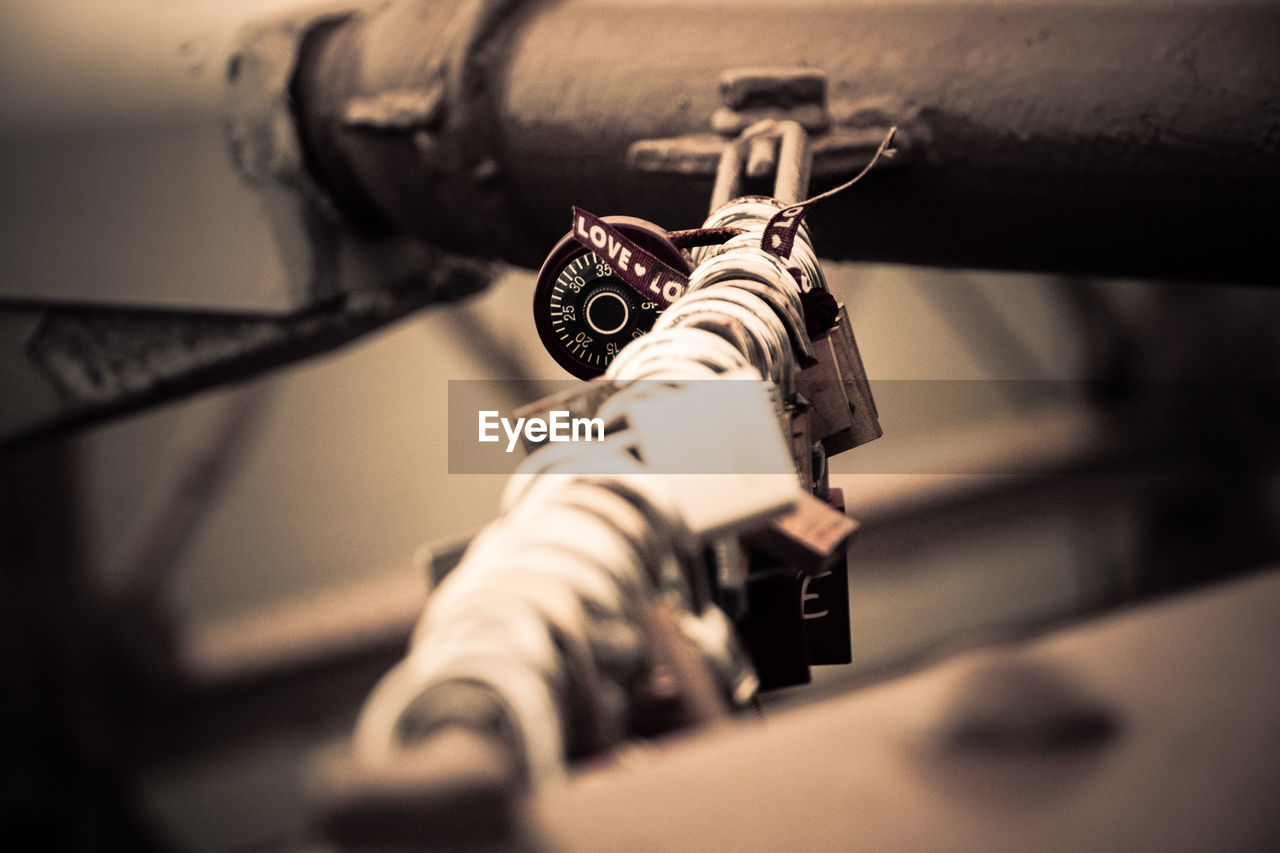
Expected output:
{"points": [[773, 629], [799, 418], [824, 603], [580, 402], [808, 537], [866, 420], [585, 312], [822, 385], [723, 459], [844, 411]]}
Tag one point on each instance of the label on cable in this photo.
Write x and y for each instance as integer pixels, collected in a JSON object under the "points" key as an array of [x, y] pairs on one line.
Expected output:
{"points": [[780, 234], [640, 269]]}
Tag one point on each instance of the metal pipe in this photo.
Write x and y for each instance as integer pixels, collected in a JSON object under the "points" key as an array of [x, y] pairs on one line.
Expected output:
{"points": [[1136, 139]]}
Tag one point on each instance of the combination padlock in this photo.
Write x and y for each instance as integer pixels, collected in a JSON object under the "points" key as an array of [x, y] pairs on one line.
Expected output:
{"points": [[585, 312]]}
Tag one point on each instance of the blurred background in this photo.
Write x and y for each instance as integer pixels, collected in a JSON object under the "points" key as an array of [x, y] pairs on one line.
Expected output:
{"points": [[205, 571]]}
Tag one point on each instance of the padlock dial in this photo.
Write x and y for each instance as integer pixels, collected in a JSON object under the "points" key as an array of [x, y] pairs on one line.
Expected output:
{"points": [[584, 312]]}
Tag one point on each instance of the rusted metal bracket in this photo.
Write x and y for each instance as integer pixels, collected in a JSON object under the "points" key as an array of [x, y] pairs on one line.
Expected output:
{"points": [[840, 146], [410, 134]]}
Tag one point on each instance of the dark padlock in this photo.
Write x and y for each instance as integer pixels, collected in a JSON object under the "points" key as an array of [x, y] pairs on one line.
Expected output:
{"points": [[773, 630], [824, 604], [585, 312]]}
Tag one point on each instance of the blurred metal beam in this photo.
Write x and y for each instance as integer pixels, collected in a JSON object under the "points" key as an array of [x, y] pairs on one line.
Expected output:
{"points": [[80, 365], [1128, 733]]}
